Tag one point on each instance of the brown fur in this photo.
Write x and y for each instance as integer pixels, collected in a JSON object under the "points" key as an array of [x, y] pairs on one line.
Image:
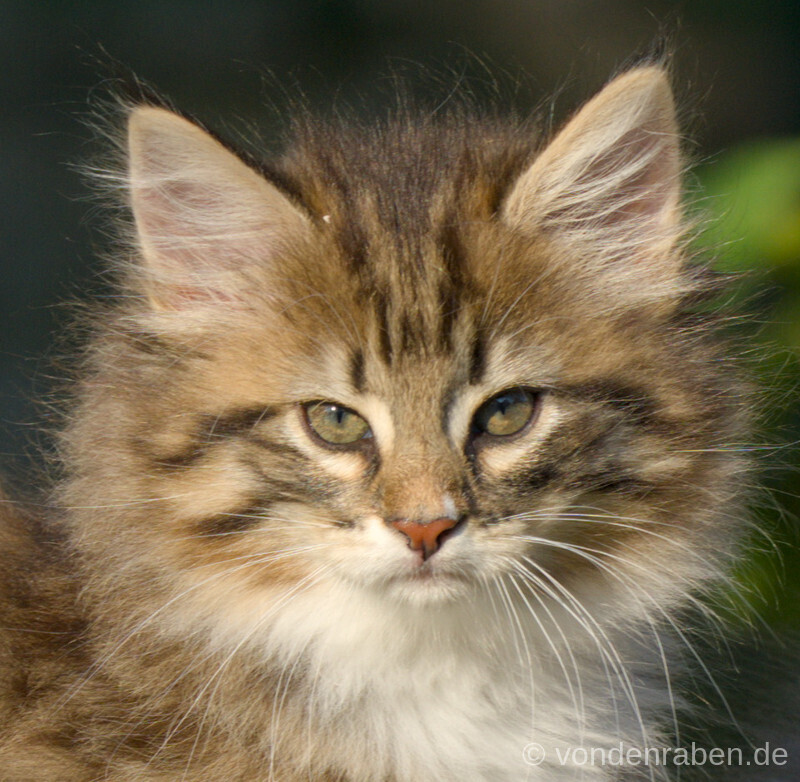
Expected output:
{"points": [[405, 252]]}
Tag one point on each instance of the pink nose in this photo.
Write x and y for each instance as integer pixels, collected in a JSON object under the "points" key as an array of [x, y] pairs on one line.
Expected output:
{"points": [[425, 537]]}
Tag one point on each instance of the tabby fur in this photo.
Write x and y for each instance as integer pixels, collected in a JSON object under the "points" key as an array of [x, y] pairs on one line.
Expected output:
{"points": [[215, 595]]}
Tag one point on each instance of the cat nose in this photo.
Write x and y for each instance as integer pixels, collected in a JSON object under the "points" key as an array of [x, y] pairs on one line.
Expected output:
{"points": [[425, 536]]}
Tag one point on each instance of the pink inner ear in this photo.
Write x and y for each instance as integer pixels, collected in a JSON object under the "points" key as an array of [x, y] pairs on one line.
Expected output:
{"points": [[205, 220], [651, 191], [611, 178], [635, 180], [195, 237], [178, 296], [197, 225]]}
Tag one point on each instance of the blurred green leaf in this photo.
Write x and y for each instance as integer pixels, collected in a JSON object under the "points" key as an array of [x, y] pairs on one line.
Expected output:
{"points": [[752, 202], [754, 194]]}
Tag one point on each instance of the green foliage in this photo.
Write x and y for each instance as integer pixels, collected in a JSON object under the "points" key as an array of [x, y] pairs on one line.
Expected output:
{"points": [[753, 200]]}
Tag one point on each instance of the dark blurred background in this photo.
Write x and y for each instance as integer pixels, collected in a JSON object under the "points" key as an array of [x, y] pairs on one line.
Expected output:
{"points": [[737, 73]]}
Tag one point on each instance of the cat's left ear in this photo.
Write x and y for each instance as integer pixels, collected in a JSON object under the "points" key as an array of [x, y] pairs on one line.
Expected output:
{"points": [[608, 185], [203, 217]]}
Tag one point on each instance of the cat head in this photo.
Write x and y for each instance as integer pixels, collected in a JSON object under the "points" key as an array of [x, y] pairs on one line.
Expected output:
{"points": [[413, 359]]}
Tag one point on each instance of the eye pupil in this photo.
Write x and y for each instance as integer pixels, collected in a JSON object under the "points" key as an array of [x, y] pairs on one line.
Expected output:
{"points": [[503, 402], [506, 414], [335, 424]]}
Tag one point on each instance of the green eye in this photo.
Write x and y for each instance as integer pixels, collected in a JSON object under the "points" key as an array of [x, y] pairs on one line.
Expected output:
{"points": [[336, 424], [505, 414]]}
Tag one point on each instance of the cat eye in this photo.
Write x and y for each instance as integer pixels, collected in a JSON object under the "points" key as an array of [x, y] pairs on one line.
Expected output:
{"points": [[505, 414], [336, 424]]}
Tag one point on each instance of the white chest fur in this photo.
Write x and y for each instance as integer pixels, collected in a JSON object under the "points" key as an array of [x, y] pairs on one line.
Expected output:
{"points": [[449, 694]]}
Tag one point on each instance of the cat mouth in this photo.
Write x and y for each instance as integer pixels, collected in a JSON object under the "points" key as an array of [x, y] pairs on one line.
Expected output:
{"points": [[424, 575], [429, 573], [426, 586]]}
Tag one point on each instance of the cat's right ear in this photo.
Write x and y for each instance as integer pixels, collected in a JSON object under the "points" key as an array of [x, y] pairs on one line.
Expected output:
{"points": [[202, 216]]}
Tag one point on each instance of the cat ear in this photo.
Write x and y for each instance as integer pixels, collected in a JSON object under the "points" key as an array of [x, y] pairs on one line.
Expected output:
{"points": [[609, 183], [202, 216]]}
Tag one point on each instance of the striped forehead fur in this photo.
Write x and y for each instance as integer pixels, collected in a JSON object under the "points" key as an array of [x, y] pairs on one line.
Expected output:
{"points": [[399, 199]]}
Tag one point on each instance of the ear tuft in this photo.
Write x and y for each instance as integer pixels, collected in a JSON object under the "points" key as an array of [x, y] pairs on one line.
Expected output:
{"points": [[609, 183], [202, 216]]}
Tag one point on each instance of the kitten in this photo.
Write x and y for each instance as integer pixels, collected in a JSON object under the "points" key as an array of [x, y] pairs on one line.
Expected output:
{"points": [[396, 460]]}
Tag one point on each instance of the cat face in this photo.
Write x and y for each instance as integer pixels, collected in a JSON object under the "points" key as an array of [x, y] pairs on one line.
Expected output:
{"points": [[433, 360]]}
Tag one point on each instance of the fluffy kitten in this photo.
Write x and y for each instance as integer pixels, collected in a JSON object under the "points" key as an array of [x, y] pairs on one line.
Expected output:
{"points": [[396, 454]]}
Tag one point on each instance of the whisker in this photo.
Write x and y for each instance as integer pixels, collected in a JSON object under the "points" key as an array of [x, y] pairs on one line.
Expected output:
{"points": [[599, 636], [578, 700], [635, 590], [301, 586], [102, 661]]}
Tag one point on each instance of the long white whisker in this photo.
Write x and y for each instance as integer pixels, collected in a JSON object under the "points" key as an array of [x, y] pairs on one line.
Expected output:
{"points": [[599, 636], [636, 590], [577, 699]]}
